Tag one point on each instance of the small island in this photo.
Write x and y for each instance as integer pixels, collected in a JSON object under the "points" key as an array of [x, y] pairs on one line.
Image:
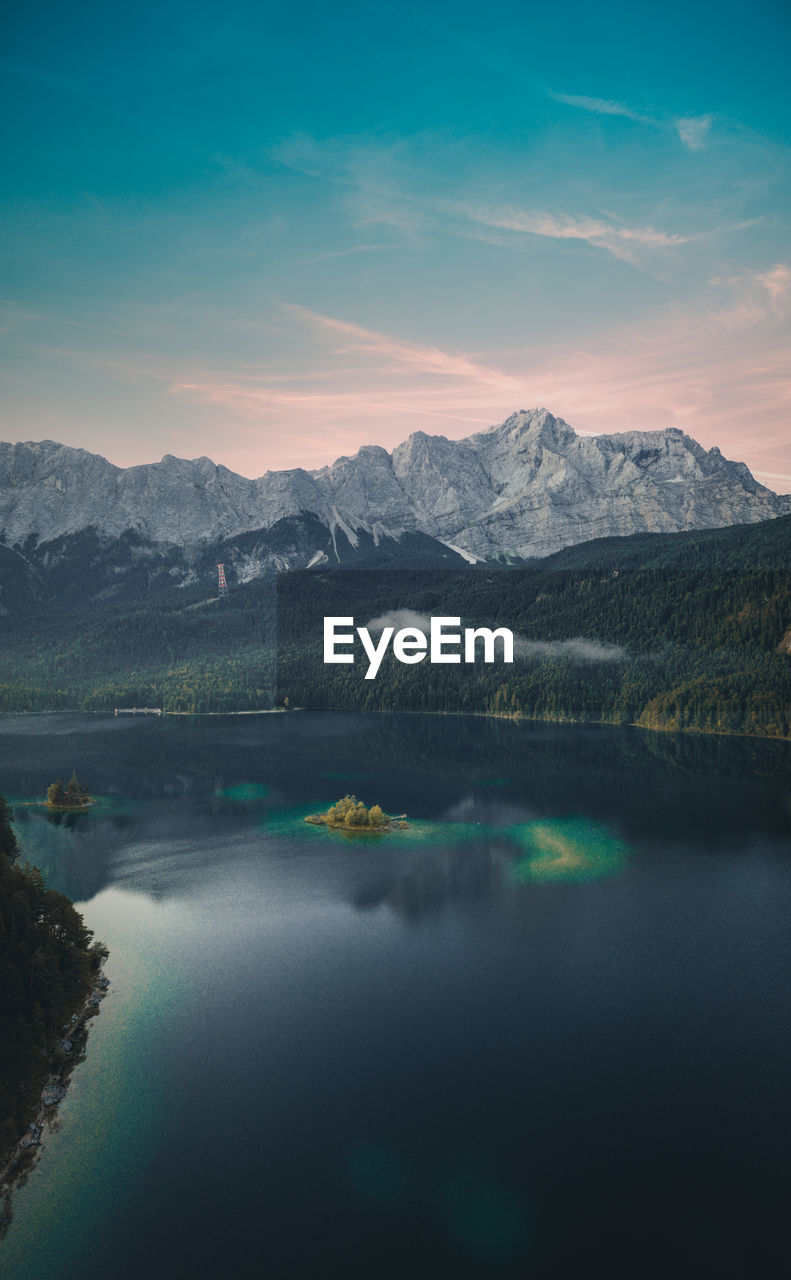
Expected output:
{"points": [[74, 796], [350, 814]]}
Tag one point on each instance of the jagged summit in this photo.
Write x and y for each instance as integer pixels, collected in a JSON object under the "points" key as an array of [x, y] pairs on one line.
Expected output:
{"points": [[525, 487]]}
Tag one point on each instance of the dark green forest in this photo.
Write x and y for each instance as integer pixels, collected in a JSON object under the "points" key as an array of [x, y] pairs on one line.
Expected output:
{"points": [[697, 650], [183, 654], [687, 631], [737, 548], [49, 964], [697, 629]]}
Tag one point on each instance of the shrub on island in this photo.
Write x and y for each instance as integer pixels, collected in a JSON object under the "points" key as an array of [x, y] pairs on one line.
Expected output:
{"points": [[352, 815], [73, 796]]}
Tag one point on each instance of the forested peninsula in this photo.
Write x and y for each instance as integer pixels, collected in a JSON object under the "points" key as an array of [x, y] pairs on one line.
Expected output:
{"points": [[50, 969]]}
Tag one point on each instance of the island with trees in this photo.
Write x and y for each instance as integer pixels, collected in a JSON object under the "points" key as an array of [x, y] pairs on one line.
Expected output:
{"points": [[73, 796], [350, 814], [51, 985]]}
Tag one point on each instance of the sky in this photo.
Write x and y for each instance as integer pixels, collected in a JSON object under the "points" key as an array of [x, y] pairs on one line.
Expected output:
{"points": [[271, 233]]}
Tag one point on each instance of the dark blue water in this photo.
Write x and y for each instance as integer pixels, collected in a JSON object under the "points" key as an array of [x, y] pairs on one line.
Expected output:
{"points": [[542, 1032]]}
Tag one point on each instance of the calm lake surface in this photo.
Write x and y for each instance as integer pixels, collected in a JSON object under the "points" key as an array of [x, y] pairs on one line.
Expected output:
{"points": [[544, 1030]]}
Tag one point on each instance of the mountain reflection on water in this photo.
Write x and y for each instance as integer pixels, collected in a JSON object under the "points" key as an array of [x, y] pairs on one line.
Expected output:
{"points": [[543, 1028]]}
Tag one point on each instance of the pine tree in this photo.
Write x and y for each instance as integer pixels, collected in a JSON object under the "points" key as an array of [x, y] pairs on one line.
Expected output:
{"points": [[56, 796], [8, 844], [76, 793]]}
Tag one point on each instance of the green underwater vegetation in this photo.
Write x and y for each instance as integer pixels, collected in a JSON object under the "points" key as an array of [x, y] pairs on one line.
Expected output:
{"points": [[569, 849], [245, 792]]}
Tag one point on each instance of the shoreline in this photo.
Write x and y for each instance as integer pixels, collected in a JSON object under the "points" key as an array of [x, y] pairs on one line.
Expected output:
{"points": [[411, 711], [392, 824], [57, 808], [21, 1158]]}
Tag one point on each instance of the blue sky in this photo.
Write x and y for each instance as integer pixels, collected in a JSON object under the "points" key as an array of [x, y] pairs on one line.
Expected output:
{"points": [[272, 233]]}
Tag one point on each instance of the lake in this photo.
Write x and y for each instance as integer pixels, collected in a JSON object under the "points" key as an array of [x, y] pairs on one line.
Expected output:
{"points": [[545, 1029]]}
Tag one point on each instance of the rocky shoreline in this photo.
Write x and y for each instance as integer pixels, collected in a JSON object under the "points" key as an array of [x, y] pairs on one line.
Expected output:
{"points": [[392, 824], [16, 1163]]}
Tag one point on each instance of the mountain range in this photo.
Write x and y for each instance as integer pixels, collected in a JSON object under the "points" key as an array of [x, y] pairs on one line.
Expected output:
{"points": [[518, 491]]}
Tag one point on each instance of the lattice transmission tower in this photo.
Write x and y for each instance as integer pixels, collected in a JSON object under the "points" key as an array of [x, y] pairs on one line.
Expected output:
{"points": [[222, 585]]}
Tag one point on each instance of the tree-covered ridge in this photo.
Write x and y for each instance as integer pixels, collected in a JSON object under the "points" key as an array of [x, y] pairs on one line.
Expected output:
{"points": [[737, 548], [49, 964]]}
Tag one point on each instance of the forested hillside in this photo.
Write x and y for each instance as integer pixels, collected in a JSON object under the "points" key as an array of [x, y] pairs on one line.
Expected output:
{"points": [[184, 653], [696, 630], [699, 650], [739, 549]]}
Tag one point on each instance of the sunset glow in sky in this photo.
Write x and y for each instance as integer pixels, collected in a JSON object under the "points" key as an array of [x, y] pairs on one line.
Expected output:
{"points": [[272, 233]]}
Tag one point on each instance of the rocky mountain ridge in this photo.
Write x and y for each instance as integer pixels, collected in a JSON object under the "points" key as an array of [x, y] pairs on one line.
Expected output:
{"points": [[526, 488]]}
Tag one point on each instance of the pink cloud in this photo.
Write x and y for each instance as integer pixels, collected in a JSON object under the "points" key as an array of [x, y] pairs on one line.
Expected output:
{"points": [[431, 360], [720, 373], [777, 283]]}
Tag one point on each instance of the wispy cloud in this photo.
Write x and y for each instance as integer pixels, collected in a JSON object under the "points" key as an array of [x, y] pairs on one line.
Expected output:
{"points": [[755, 296], [717, 368], [601, 106], [429, 360], [383, 189], [14, 318], [579, 649], [718, 371], [387, 189], [369, 174], [777, 283], [693, 131], [329, 254], [399, 618], [616, 238]]}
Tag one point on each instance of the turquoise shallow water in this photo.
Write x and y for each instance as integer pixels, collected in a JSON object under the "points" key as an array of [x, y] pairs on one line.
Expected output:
{"points": [[547, 1024]]}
